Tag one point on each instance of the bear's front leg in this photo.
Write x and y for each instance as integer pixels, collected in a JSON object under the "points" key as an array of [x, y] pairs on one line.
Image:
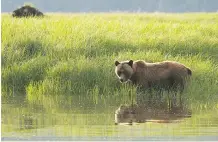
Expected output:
{"points": [[143, 96]]}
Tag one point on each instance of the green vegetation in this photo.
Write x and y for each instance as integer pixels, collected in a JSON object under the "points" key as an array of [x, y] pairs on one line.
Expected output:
{"points": [[63, 64], [74, 54]]}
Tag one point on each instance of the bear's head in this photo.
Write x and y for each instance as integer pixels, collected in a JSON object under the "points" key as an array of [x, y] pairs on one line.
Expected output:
{"points": [[124, 70]]}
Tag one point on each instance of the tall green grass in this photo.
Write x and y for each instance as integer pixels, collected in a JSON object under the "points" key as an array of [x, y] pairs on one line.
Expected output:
{"points": [[74, 54]]}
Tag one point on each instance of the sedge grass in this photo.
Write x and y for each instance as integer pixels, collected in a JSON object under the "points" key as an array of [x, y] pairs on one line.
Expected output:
{"points": [[74, 54]]}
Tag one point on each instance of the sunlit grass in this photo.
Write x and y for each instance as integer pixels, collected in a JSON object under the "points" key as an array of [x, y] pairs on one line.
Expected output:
{"points": [[74, 54]]}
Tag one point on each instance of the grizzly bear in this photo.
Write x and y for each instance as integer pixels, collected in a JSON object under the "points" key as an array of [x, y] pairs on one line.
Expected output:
{"points": [[166, 74]]}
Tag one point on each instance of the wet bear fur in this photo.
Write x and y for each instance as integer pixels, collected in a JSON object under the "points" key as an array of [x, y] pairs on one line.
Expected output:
{"points": [[161, 75]]}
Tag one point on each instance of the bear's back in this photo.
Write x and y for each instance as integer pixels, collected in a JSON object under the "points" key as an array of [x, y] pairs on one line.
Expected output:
{"points": [[166, 72]]}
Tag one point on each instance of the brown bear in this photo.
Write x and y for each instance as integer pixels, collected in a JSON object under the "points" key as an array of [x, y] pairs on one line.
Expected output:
{"points": [[166, 74]]}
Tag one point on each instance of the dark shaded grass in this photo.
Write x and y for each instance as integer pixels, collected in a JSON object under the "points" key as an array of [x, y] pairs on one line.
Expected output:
{"points": [[18, 76], [21, 52], [35, 63]]}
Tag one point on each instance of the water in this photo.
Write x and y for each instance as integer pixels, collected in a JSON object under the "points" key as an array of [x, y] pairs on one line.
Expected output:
{"points": [[78, 118]]}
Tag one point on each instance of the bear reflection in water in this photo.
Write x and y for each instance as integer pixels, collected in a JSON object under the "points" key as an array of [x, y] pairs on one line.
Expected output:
{"points": [[140, 114]]}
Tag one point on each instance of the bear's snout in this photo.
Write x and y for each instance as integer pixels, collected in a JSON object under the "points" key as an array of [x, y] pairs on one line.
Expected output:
{"points": [[121, 80]]}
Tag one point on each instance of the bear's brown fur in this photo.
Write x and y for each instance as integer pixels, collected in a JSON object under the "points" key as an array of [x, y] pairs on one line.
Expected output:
{"points": [[166, 74]]}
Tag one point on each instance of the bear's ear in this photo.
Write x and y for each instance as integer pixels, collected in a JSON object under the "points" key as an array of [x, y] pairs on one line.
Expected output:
{"points": [[130, 62], [117, 63]]}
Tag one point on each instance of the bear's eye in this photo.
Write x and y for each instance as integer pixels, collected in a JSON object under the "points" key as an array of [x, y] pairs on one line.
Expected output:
{"points": [[119, 73]]}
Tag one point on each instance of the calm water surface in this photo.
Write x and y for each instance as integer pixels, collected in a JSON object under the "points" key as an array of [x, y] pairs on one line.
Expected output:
{"points": [[76, 118]]}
